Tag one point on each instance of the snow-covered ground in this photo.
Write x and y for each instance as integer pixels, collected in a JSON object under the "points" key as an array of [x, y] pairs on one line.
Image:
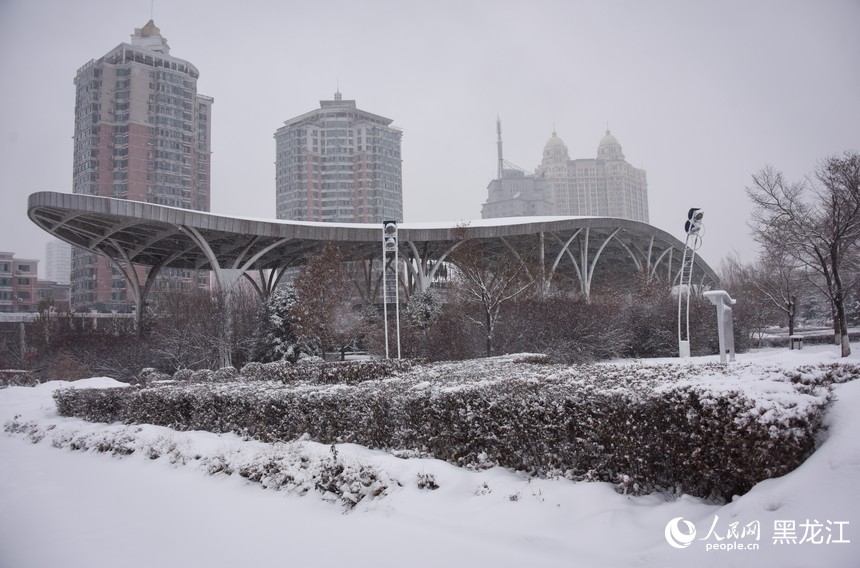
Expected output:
{"points": [[158, 506]]}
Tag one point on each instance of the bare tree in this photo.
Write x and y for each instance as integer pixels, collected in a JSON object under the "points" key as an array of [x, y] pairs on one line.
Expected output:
{"points": [[776, 283], [759, 310], [815, 221], [779, 280], [185, 332], [489, 281]]}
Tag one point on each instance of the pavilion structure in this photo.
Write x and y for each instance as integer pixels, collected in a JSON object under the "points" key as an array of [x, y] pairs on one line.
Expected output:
{"points": [[584, 252]]}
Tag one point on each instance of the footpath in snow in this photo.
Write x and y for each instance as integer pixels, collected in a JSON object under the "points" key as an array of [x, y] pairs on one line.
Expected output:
{"points": [[171, 502]]}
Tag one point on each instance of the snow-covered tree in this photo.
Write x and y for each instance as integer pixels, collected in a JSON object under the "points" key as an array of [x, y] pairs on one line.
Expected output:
{"points": [[274, 339], [423, 309]]}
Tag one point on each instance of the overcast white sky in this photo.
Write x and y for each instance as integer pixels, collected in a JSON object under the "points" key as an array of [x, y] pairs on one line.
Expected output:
{"points": [[700, 94]]}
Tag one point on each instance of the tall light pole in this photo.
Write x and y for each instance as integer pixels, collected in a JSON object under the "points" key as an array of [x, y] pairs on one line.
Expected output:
{"points": [[390, 245], [693, 227]]}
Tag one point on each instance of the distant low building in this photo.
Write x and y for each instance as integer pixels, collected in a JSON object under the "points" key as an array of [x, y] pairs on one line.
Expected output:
{"points": [[53, 295], [18, 278], [517, 194]]}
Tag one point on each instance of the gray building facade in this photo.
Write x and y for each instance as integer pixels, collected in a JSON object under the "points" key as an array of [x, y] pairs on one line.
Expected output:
{"points": [[517, 194]]}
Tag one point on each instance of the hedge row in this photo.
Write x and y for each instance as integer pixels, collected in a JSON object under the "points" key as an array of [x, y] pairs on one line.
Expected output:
{"points": [[348, 372], [643, 427], [17, 378], [285, 467]]}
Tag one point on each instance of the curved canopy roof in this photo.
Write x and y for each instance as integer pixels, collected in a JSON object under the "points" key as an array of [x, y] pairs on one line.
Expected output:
{"points": [[155, 235]]}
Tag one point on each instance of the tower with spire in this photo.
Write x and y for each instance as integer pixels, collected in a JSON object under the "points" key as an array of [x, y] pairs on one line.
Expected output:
{"points": [[514, 193]]}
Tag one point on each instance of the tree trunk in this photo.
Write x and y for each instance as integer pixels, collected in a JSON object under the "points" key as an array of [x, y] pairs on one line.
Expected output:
{"points": [[489, 334], [792, 309], [841, 323]]}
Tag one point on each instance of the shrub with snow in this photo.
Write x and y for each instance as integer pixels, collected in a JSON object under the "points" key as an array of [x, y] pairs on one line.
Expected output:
{"points": [[183, 375], [202, 376], [711, 431], [320, 372], [148, 375], [17, 378], [225, 374]]}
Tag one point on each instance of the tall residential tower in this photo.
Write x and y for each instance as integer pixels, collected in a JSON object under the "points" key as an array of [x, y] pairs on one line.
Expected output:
{"points": [[339, 164], [142, 132]]}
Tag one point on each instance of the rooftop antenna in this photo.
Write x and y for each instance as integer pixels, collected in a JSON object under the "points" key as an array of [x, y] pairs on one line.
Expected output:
{"points": [[499, 144], [151, 9]]}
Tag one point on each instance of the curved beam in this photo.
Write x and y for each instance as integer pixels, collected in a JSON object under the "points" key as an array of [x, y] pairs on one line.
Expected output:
{"points": [[597, 255]]}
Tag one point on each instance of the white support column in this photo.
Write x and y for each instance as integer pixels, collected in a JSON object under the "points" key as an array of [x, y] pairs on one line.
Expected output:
{"points": [[656, 264], [585, 283], [544, 284], [419, 269], [565, 249], [226, 278], [725, 324], [589, 269], [129, 273]]}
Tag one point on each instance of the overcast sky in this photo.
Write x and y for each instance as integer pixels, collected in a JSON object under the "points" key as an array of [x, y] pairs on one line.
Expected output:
{"points": [[699, 94]]}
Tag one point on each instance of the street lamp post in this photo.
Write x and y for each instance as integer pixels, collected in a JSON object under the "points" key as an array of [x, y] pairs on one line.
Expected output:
{"points": [[390, 245], [694, 228]]}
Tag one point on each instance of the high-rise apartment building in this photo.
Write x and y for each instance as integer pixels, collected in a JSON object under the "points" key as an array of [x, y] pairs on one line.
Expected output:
{"points": [[339, 164], [604, 186], [58, 261], [142, 132]]}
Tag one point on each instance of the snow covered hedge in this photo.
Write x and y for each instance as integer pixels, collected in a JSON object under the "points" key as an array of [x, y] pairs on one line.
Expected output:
{"points": [[17, 378], [348, 372], [710, 431]]}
